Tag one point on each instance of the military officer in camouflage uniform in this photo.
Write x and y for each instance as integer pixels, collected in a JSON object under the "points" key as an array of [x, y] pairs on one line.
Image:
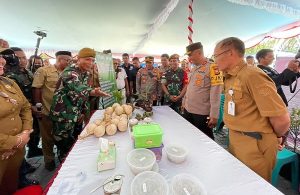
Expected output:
{"points": [[71, 100], [148, 84], [202, 99], [174, 83]]}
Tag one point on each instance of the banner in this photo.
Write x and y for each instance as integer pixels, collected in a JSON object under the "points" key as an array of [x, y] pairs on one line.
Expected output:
{"points": [[107, 78]]}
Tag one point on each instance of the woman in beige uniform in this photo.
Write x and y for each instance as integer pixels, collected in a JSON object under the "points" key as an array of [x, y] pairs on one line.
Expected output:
{"points": [[15, 128]]}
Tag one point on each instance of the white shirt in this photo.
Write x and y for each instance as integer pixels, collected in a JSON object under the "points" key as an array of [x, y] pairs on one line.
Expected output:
{"points": [[121, 79]]}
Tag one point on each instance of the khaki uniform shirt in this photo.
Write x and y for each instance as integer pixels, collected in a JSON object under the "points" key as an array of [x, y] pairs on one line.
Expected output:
{"points": [[148, 83], [203, 91], [45, 78], [15, 113], [255, 98]]}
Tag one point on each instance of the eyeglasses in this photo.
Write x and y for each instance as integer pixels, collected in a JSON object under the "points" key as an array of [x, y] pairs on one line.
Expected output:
{"points": [[217, 55]]}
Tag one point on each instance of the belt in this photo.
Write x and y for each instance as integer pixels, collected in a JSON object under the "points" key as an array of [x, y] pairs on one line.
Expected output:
{"points": [[255, 135]]}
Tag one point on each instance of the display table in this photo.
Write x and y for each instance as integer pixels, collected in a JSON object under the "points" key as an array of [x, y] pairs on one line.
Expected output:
{"points": [[217, 169]]}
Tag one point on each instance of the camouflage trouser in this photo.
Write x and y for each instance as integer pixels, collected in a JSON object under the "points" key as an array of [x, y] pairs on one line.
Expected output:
{"points": [[63, 134]]}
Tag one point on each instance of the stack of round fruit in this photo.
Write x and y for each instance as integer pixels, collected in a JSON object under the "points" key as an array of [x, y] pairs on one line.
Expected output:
{"points": [[114, 118]]}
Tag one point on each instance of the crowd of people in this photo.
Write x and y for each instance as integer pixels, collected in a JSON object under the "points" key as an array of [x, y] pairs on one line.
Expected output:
{"points": [[54, 101]]}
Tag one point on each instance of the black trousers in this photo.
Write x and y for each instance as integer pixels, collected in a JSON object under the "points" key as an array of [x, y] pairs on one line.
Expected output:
{"points": [[200, 121]]}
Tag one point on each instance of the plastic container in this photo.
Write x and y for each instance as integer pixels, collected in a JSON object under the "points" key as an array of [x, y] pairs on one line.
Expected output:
{"points": [[140, 160], [185, 184], [155, 167], [176, 153], [147, 135], [157, 151], [149, 183]]}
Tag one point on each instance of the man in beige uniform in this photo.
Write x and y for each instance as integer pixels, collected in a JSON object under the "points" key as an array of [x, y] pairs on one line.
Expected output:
{"points": [[202, 99], [148, 81], [44, 84], [253, 111]]}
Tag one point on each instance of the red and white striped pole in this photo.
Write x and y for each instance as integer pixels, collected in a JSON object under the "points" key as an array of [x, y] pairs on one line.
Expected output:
{"points": [[190, 18]]}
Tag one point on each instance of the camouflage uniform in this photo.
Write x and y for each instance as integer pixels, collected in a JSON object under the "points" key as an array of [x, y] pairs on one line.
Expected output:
{"points": [[71, 99], [174, 82], [148, 83]]}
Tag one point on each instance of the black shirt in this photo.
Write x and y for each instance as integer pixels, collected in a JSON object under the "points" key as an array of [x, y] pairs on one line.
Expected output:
{"points": [[287, 77], [129, 71]]}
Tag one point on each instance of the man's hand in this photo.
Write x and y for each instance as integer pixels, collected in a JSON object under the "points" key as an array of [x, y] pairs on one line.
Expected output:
{"points": [[36, 113], [177, 98], [212, 122], [98, 92], [280, 144], [293, 66], [173, 98]]}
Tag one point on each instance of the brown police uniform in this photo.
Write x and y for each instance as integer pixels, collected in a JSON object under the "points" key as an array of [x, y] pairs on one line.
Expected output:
{"points": [[45, 78], [202, 98], [15, 116], [251, 136]]}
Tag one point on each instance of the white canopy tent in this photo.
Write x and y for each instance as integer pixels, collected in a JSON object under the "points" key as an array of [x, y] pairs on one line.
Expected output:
{"points": [[139, 26]]}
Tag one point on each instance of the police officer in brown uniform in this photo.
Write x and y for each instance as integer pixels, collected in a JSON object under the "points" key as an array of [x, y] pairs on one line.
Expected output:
{"points": [[253, 111], [202, 99], [15, 129], [148, 81], [44, 84]]}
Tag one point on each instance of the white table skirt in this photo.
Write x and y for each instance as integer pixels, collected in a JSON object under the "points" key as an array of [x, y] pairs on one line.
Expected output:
{"points": [[217, 169]]}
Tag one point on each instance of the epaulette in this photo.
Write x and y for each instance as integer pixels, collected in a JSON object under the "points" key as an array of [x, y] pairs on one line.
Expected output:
{"points": [[6, 81]]}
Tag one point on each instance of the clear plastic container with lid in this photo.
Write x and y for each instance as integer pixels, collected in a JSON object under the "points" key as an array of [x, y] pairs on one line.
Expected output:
{"points": [[140, 160], [176, 153], [149, 183], [185, 184]]}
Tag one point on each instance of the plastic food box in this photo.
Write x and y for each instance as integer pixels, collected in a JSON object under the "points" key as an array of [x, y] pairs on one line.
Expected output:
{"points": [[149, 183], [183, 184], [147, 135], [176, 153], [140, 160], [157, 151]]}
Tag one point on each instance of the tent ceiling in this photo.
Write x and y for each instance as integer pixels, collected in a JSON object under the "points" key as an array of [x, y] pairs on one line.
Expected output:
{"points": [[121, 25]]}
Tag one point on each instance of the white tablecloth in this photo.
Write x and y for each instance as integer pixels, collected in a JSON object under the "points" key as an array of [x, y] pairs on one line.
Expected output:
{"points": [[217, 169]]}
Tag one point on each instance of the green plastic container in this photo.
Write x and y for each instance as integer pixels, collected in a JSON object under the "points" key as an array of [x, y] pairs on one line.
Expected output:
{"points": [[147, 135]]}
